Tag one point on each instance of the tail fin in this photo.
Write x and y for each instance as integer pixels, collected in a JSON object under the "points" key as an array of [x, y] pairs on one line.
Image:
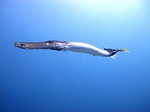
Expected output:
{"points": [[125, 50], [114, 56]]}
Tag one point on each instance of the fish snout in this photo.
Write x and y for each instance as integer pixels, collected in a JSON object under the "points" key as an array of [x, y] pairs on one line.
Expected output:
{"points": [[21, 45]]}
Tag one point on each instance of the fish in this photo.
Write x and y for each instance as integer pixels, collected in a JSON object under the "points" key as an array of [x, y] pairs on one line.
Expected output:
{"points": [[79, 47]]}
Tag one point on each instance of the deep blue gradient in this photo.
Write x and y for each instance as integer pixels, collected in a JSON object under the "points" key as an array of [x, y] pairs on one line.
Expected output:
{"points": [[51, 81]]}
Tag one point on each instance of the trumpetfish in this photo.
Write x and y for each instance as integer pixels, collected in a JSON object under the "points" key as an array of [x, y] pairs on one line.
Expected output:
{"points": [[69, 46]]}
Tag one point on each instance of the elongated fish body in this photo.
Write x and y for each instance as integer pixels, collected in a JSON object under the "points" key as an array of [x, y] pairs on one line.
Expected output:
{"points": [[86, 48], [53, 45], [71, 46]]}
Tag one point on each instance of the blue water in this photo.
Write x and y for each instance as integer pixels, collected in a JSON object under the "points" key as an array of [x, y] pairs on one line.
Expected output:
{"points": [[51, 81]]}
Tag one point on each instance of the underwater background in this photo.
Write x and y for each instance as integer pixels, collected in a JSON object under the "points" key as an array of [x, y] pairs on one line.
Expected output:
{"points": [[51, 81]]}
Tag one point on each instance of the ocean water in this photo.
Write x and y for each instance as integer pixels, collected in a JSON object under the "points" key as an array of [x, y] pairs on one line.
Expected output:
{"points": [[52, 81]]}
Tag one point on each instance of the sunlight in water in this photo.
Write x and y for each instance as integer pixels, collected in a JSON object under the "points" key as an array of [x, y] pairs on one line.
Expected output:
{"points": [[94, 5], [111, 1], [106, 7]]}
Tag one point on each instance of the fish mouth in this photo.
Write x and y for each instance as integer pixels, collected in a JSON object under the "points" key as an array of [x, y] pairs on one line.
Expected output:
{"points": [[21, 45]]}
